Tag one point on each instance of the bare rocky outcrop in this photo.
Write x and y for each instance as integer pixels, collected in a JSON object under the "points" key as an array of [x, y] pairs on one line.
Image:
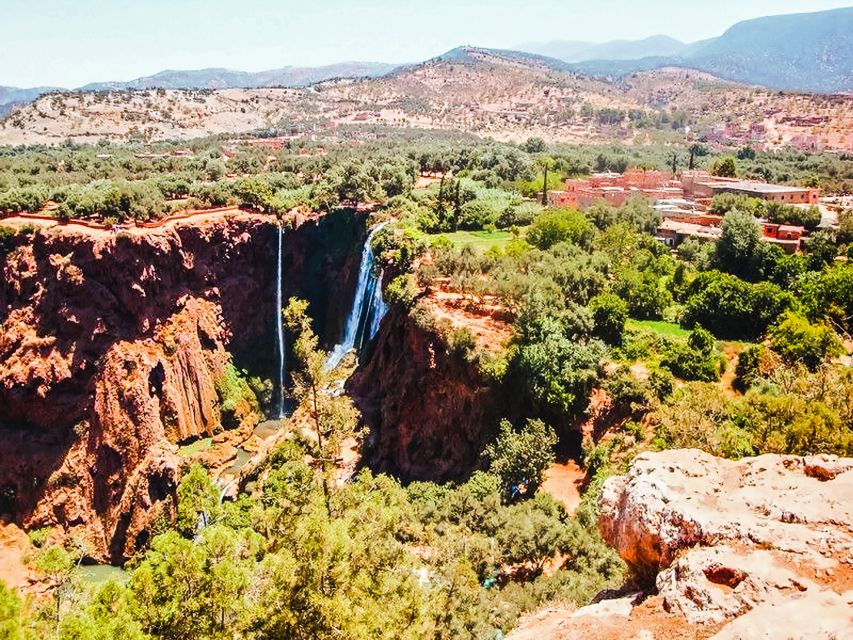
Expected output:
{"points": [[742, 548]]}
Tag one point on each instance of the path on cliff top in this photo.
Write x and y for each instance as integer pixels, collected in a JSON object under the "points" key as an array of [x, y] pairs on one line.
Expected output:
{"points": [[17, 222], [563, 481]]}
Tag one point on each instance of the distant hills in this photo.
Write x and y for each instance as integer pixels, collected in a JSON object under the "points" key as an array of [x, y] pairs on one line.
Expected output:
{"points": [[10, 97], [577, 51], [804, 52], [810, 52], [504, 95], [229, 79], [475, 55]]}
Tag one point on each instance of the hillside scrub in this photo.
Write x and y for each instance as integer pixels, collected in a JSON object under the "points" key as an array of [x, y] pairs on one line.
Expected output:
{"points": [[381, 561]]}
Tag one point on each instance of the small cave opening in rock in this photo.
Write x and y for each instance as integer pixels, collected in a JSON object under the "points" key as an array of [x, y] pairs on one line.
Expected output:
{"points": [[8, 501], [207, 341], [119, 537], [156, 380]]}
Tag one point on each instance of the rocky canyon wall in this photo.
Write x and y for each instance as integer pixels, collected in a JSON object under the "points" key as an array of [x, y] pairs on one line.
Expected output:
{"points": [[428, 410], [111, 347]]}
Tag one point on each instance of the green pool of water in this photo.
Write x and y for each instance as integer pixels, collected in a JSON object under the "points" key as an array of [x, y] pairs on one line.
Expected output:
{"points": [[101, 573], [240, 461]]}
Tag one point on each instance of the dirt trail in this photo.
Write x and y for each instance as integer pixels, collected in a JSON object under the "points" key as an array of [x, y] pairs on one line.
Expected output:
{"points": [[732, 353], [97, 231], [563, 481]]}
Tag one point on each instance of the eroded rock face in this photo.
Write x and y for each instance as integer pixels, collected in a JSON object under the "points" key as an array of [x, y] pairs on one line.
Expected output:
{"points": [[739, 540], [110, 349], [427, 409]]}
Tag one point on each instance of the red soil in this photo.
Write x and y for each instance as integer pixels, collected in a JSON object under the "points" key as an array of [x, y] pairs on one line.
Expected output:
{"points": [[483, 317]]}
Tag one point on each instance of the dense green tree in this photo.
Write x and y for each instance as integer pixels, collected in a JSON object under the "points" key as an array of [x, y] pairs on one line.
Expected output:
{"points": [[333, 417], [11, 627], [7, 241], [534, 145], [829, 295], [725, 167], [17, 200], [695, 360], [109, 615], [644, 293], [798, 340], [821, 249], [737, 246], [845, 226], [198, 499], [194, 589], [253, 193], [57, 564], [609, 313], [733, 308], [560, 225], [748, 369], [531, 532], [520, 457], [552, 359], [788, 214]]}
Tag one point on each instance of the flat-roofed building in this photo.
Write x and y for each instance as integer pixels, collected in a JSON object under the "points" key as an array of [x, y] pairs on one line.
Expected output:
{"points": [[771, 192], [673, 232]]}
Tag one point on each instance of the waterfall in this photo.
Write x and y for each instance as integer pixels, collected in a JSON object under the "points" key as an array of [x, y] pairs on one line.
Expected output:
{"points": [[279, 324], [378, 307], [367, 309]]}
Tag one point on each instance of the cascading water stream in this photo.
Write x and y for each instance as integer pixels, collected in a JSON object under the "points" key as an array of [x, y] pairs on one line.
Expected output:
{"points": [[367, 309], [279, 324], [379, 308]]}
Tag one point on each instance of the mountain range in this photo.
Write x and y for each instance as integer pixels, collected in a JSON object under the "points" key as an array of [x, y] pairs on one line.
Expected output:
{"points": [[504, 95], [229, 79], [10, 97], [811, 52], [579, 51]]}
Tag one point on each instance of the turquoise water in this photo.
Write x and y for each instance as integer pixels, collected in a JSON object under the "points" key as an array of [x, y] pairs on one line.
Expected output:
{"points": [[243, 457]]}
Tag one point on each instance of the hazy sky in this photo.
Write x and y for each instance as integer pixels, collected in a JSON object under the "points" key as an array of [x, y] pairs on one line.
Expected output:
{"points": [[72, 42]]}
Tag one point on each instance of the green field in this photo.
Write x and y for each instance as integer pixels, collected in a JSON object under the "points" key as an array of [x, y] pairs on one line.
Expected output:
{"points": [[659, 327], [478, 239]]}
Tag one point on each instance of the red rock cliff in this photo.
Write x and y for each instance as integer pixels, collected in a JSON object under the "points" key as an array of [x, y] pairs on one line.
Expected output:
{"points": [[427, 409], [109, 353]]}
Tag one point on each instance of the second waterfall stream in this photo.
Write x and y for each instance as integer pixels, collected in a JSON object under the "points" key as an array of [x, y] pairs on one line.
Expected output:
{"points": [[279, 326], [368, 306]]}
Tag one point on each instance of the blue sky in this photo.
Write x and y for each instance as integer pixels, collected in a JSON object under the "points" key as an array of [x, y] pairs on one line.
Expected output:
{"points": [[72, 42]]}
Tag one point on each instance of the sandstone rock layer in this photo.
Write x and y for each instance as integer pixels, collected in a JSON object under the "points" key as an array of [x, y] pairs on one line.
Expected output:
{"points": [[755, 545]]}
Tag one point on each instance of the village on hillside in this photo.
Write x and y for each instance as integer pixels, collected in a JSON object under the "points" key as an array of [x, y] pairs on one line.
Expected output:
{"points": [[683, 202]]}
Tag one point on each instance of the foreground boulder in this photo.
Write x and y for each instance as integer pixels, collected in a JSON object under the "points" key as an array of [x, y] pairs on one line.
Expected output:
{"points": [[756, 548]]}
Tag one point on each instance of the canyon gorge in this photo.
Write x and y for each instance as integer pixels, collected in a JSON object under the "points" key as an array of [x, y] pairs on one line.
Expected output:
{"points": [[113, 346]]}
